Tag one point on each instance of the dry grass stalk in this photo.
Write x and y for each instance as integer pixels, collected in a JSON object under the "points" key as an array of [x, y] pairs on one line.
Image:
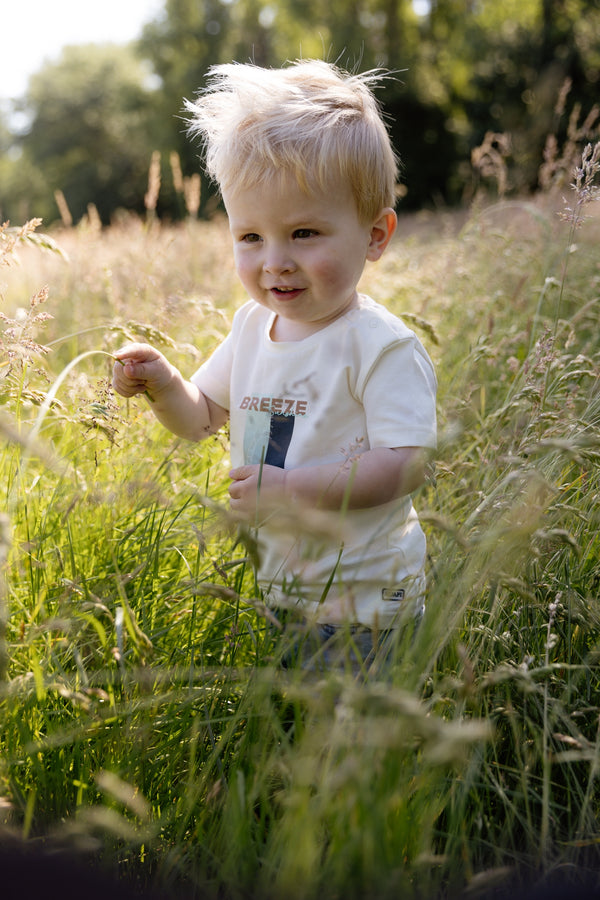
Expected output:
{"points": [[586, 191], [93, 220], [154, 179], [10, 237], [18, 343], [63, 208], [176, 171], [559, 163], [17, 339], [489, 159], [191, 191]]}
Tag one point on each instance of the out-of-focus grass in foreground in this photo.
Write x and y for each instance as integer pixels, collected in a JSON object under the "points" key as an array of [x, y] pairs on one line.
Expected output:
{"points": [[144, 717]]}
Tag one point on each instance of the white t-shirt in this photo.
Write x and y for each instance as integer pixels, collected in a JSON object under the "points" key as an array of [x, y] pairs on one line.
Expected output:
{"points": [[362, 382]]}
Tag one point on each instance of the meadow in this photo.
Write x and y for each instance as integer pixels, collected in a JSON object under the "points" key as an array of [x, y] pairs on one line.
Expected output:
{"points": [[145, 721]]}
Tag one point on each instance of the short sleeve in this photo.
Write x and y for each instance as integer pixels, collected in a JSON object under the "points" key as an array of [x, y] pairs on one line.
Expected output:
{"points": [[399, 397], [213, 377]]}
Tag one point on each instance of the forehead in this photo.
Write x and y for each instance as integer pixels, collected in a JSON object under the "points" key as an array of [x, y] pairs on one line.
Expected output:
{"points": [[282, 196]]}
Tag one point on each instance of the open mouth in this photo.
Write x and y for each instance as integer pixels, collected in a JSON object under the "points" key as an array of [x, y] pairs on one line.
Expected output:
{"points": [[286, 292]]}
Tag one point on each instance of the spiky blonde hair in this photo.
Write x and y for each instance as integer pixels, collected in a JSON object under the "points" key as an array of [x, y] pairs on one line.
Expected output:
{"points": [[309, 118]]}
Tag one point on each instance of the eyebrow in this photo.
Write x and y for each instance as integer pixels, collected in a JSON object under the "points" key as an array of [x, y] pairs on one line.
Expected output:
{"points": [[292, 224]]}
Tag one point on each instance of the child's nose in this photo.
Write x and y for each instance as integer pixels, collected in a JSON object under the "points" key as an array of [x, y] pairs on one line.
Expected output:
{"points": [[277, 261]]}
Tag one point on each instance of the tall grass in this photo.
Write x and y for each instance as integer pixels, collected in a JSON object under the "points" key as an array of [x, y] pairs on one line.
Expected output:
{"points": [[144, 716]]}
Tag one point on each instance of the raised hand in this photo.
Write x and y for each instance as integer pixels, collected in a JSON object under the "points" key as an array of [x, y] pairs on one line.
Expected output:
{"points": [[139, 369]]}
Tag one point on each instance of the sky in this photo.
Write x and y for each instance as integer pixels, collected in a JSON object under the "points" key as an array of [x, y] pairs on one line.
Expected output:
{"points": [[33, 32]]}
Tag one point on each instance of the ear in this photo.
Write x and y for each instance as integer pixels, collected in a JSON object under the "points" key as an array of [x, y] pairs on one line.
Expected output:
{"points": [[381, 233]]}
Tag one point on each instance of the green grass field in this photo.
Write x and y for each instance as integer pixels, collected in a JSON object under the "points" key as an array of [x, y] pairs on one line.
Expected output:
{"points": [[144, 719]]}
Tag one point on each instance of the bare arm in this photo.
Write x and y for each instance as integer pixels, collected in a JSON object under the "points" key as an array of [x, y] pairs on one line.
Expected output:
{"points": [[178, 404], [375, 477]]}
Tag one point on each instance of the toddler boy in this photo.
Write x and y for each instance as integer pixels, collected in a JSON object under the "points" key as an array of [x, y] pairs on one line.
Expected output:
{"points": [[330, 397]]}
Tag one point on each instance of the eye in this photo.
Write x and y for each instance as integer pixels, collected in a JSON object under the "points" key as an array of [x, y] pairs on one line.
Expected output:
{"points": [[250, 238], [302, 233]]}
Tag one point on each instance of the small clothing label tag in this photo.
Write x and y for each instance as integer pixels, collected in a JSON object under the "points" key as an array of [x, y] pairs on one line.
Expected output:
{"points": [[394, 594]]}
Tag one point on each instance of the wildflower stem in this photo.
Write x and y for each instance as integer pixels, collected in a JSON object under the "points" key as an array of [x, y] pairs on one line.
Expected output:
{"points": [[45, 406]]}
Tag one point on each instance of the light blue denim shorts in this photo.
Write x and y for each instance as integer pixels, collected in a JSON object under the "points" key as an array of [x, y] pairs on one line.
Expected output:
{"points": [[322, 648]]}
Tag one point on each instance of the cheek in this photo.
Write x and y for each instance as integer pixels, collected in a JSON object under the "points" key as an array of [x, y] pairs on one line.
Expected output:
{"points": [[244, 268], [336, 272]]}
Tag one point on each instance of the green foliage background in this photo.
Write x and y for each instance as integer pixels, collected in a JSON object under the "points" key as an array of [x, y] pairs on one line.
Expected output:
{"points": [[462, 69]]}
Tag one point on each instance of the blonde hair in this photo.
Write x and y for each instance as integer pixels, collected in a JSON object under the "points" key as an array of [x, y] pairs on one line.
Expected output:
{"points": [[309, 118]]}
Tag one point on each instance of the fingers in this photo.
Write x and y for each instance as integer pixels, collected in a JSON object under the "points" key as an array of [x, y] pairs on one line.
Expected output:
{"points": [[243, 489], [130, 374], [256, 487], [133, 357], [241, 473], [240, 481], [137, 353], [128, 379]]}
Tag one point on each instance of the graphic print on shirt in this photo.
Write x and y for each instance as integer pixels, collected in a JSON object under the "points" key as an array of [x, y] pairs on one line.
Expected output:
{"points": [[269, 427], [280, 436]]}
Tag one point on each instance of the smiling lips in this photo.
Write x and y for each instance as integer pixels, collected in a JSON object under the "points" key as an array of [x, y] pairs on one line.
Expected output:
{"points": [[284, 293]]}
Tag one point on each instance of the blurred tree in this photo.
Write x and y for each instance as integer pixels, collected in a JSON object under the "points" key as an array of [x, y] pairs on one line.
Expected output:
{"points": [[461, 69], [5, 131], [22, 186], [186, 39], [500, 68], [90, 124], [180, 44], [191, 35]]}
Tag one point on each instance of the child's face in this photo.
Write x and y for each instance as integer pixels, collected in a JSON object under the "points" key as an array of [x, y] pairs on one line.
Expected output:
{"points": [[300, 255]]}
